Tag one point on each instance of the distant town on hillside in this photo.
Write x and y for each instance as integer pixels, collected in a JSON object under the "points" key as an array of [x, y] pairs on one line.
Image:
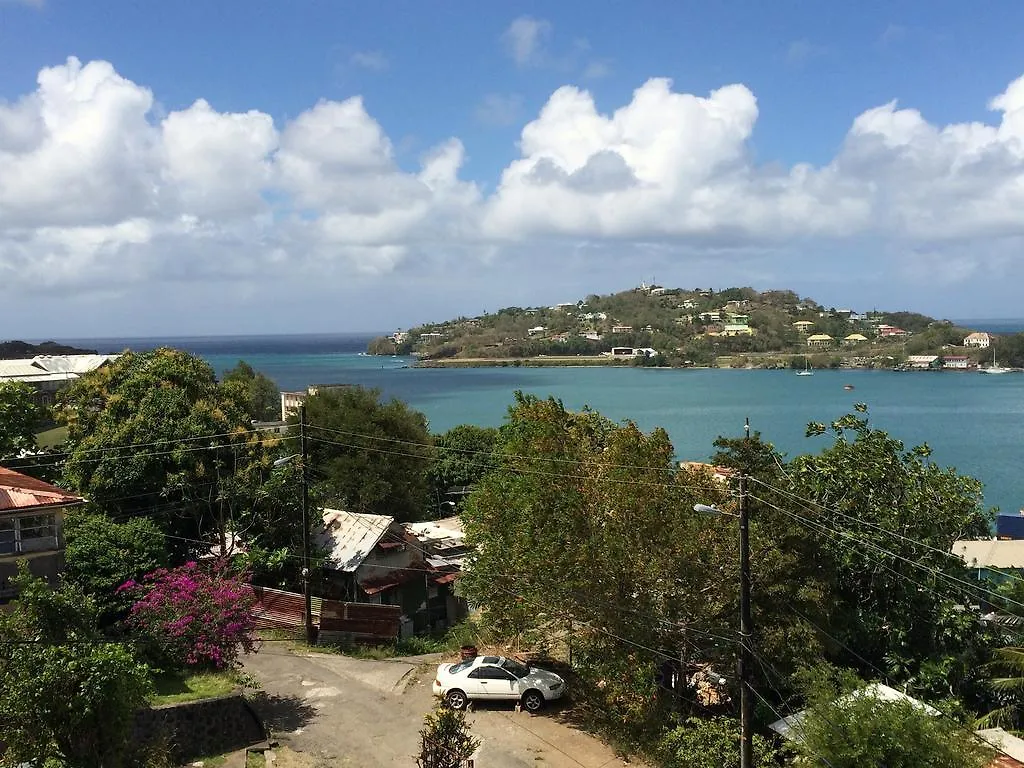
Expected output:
{"points": [[734, 327]]}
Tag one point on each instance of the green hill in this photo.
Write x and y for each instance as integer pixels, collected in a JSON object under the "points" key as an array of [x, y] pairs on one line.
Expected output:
{"points": [[675, 326]]}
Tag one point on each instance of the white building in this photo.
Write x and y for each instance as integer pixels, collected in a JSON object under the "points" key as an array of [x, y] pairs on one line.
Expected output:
{"points": [[49, 373], [980, 340]]}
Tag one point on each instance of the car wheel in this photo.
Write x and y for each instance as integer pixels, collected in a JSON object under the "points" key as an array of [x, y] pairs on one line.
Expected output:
{"points": [[456, 699], [533, 701]]}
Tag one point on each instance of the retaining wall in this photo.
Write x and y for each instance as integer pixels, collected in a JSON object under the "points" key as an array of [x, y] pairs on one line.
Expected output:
{"points": [[197, 728]]}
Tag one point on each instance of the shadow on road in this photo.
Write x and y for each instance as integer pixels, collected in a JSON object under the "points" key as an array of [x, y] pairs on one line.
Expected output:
{"points": [[283, 714]]}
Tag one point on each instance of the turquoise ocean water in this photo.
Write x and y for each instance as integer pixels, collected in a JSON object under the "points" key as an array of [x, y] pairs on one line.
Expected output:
{"points": [[972, 422]]}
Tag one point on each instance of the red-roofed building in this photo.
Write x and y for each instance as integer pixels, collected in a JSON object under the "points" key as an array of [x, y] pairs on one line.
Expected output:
{"points": [[31, 521]]}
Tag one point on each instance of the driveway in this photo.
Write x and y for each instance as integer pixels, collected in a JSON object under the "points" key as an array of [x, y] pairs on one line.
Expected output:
{"points": [[339, 711]]}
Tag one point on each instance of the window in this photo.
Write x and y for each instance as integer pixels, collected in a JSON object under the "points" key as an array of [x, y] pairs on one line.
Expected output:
{"points": [[517, 669], [34, 533], [460, 666], [490, 673], [7, 537]]}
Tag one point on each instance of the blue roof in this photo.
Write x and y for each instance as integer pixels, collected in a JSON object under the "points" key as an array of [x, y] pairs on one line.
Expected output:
{"points": [[1010, 525]]}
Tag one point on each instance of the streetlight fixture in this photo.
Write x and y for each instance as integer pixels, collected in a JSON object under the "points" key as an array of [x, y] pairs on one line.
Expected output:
{"points": [[746, 663], [303, 457]]}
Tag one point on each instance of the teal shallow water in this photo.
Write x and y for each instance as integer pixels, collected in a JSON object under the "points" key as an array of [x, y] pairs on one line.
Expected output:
{"points": [[972, 422]]}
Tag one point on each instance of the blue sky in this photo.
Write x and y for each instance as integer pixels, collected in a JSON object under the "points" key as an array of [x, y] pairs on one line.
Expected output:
{"points": [[368, 166]]}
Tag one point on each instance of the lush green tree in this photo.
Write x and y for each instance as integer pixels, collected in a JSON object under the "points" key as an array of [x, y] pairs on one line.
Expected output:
{"points": [[154, 433], [712, 742], [19, 418], [66, 697], [260, 395], [369, 455], [884, 520], [559, 527], [102, 554], [445, 740], [858, 729], [462, 457]]}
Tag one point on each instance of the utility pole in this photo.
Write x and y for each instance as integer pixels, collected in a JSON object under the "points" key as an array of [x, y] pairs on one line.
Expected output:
{"points": [[746, 629], [308, 598]]}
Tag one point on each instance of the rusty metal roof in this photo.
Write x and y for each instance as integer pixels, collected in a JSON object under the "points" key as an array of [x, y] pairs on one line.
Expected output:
{"points": [[350, 537], [20, 492]]}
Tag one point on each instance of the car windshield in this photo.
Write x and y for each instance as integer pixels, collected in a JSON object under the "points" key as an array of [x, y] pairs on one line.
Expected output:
{"points": [[517, 669], [460, 666]]}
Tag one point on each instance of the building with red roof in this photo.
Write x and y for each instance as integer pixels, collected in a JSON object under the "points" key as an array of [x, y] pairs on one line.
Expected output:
{"points": [[31, 525]]}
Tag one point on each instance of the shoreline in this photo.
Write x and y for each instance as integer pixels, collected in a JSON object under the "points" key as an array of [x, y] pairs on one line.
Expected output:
{"points": [[626, 362]]}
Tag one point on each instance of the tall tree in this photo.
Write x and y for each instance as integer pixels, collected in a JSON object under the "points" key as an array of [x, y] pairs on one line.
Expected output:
{"points": [[368, 455], [259, 395], [154, 433], [19, 418], [884, 519], [585, 526]]}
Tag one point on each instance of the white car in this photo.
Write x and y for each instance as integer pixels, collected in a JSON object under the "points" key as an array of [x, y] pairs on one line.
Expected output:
{"points": [[494, 678]]}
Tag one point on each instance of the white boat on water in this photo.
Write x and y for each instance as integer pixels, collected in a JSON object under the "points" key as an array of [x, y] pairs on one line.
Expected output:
{"points": [[807, 369], [995, 368]]}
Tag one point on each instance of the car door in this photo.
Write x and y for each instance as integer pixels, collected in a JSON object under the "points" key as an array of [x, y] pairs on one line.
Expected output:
{"points": [[494, 683]]}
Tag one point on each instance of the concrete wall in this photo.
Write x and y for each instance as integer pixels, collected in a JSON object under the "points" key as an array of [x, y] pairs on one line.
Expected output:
{"points": [[199, 728]]}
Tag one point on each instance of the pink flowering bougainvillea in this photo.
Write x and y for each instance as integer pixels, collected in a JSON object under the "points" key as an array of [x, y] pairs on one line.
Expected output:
{"points": [[188, 616]]}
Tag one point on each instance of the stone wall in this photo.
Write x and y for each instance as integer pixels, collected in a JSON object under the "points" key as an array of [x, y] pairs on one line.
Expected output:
{"points": [[198, 728]]}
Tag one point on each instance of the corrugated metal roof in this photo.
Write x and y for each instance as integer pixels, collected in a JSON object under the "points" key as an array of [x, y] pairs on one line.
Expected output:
{"points": [[991, 553], [350, 536], [437, 530], [21, 492], [52, 367]]}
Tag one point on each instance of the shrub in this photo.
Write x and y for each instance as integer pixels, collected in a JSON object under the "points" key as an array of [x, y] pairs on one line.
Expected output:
{"points": [[711, 743], [187, 617]]}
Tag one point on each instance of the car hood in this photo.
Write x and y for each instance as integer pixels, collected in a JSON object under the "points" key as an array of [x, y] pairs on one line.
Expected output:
{"points": [[542, 677]]}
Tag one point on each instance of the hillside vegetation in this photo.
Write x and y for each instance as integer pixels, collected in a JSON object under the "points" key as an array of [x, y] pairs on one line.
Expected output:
{"points": [[653, 325]]}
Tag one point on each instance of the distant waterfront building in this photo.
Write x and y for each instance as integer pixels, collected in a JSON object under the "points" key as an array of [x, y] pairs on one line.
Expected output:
{"points": [[536, 330], [803, 326], [736, 329], [956, 362], [819, 340], [979, 340], [48, 374], [854, 339], [924, 362], [622, 329]]}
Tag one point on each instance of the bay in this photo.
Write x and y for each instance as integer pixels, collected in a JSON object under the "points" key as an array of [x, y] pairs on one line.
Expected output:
{"points": [[972, 422]]}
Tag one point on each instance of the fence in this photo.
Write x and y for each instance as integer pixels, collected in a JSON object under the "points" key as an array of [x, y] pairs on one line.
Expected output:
{"points": [[336, 621]]}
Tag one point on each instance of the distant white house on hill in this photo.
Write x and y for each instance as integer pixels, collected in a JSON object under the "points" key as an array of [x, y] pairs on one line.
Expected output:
{"points": [[979, 340]]}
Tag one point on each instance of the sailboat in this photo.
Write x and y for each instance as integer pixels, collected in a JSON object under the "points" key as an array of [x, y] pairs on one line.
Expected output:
{"points": [[807, 369], [995, 367]]}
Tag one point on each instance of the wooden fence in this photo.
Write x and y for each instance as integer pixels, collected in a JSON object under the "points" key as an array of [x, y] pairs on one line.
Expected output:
{"points": [[336, 621]]}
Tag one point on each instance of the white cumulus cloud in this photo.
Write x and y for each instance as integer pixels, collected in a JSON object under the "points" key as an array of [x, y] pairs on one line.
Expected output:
{"points": [[99, 188]]}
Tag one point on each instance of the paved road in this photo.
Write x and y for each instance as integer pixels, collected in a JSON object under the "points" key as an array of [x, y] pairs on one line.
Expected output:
{"points": [[339, 711]]}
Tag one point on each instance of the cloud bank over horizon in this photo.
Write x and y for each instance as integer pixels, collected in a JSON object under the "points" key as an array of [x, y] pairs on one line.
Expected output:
{"points": [[101, 187]]}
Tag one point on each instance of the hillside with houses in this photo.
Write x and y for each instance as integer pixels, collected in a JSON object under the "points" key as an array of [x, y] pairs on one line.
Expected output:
{"points": [[735, 327]]}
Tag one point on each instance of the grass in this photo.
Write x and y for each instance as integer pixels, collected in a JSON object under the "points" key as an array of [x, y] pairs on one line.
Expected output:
{"points": [[52, 437], [255, 760], [174, 688]]}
